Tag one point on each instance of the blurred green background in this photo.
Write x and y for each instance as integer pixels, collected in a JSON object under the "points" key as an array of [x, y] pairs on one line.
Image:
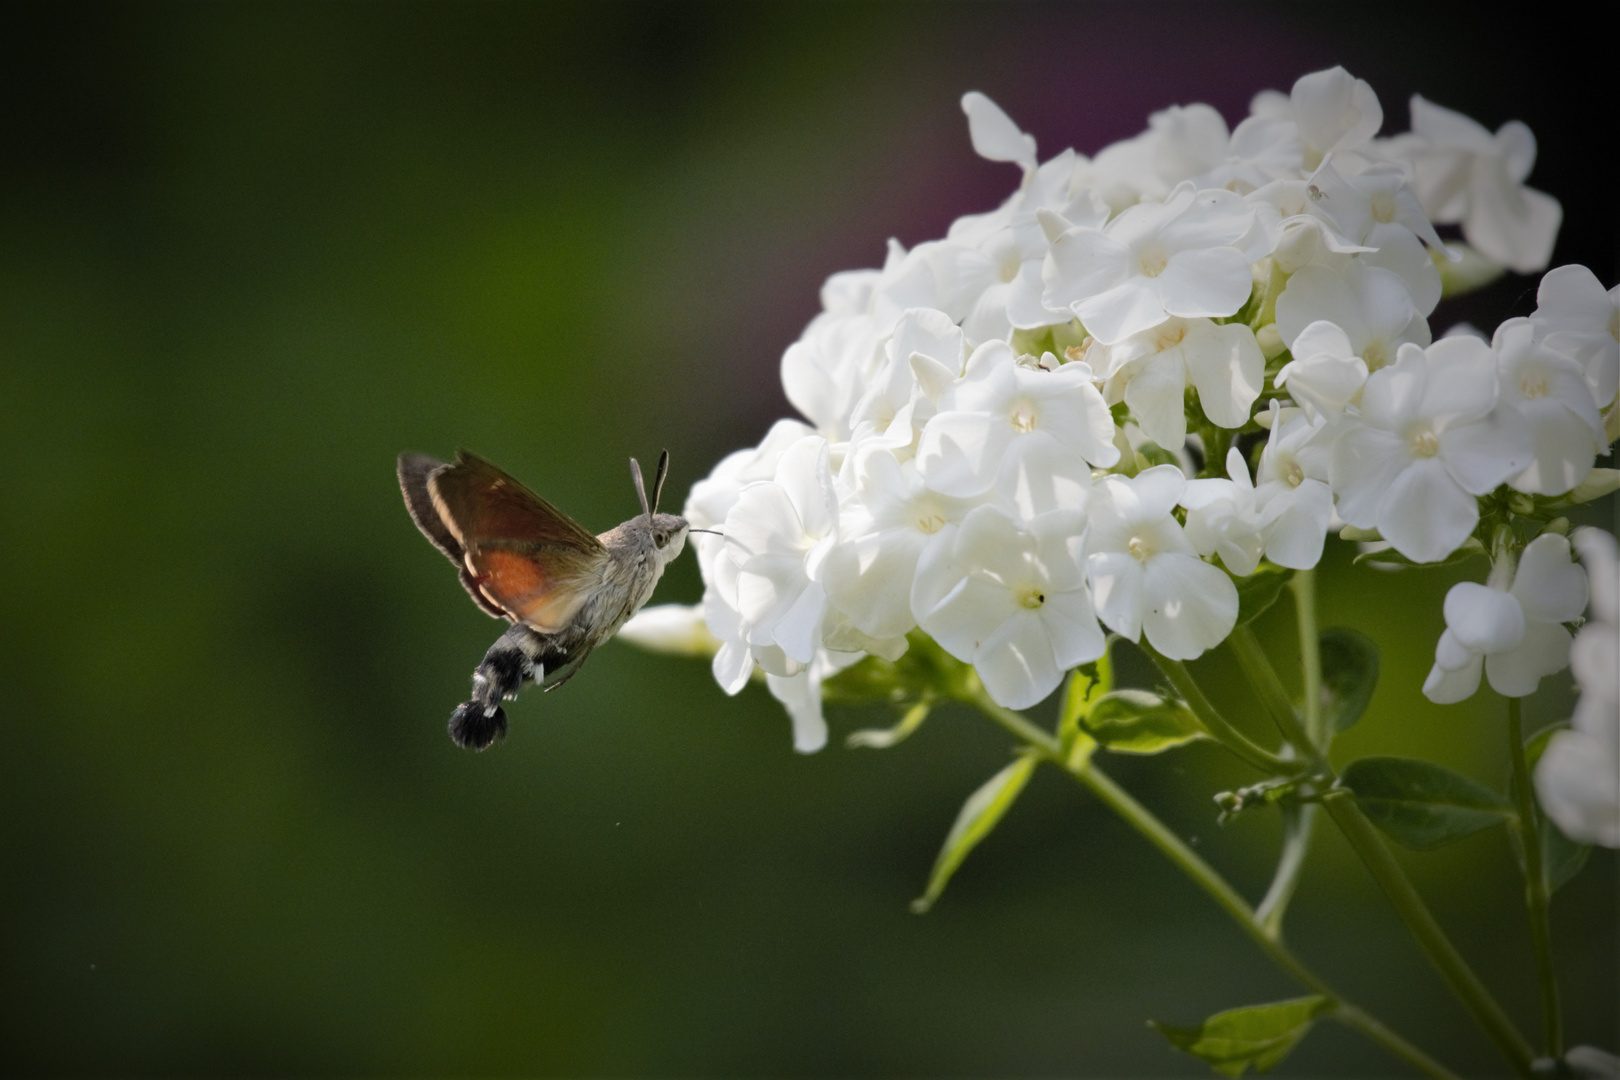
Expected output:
{"points": [[248, 253]]}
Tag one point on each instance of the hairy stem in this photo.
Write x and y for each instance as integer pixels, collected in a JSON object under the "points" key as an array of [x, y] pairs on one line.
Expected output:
{"points": [[1536, 897], [1145, 822]]}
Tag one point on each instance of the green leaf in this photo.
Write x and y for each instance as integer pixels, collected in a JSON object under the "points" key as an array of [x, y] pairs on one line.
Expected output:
{"points": [[1260, 590], [1421, 804], [1561, 857], [924, 671], [1087, 683], [983, 809], [1391, 557], [1137, 722], [883, 738], [1349, 675], [1257, 1036]]}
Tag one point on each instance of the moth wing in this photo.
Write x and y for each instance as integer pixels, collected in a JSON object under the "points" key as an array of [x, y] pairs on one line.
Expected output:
{"points": [[414, 470], [520, 554]]}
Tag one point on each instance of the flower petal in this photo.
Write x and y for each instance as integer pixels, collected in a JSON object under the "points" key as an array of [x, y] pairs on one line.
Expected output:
{"points": [[1482, 619], [1191, 606], [1016, 663], [1518, 671], [1424, 514]]}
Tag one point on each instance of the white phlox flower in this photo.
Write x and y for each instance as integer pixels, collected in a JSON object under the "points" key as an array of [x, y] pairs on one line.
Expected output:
{"points": [[1000, 409], [825, 372], [1378, 210], [1325, 375], [1549, 390], [673, 629], [1514, 634], [1298, 231], [1011, 600], [778, 534], [1576, 317], [896, 406], [1182, 142], [995, 137], [885, 523], [1152, 261], [1145, 575], [944, 478], [1578, 777], [990, 268], [800, 695], [1373, 307], [1150, 372], [1427, 439], [1332, 110], [1291, 489], [1223, 517], [1463, 173]]}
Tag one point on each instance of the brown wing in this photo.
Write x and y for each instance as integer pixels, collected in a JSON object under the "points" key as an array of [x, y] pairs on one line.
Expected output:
{"points": [[531, 561]]}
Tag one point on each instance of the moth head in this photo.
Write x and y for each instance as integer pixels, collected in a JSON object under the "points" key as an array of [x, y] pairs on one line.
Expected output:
{"points": [[668, 535], [667, 532]]}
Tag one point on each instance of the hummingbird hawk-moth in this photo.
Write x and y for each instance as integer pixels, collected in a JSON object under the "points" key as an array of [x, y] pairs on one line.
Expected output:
{"points": [[521, 559]]}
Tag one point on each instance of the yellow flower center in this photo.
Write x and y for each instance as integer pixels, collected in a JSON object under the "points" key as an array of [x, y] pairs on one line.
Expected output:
{"points": [[1152, 260], [1171, 334], [1023, 417], [1139, 548], [1533, 384], [1030, 596], [1424, 444], [1293, 474], [1376, 355], [1383, 208]]}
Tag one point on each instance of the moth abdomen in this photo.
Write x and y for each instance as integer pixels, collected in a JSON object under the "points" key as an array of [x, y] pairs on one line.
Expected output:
{"points": [[474, 726]]}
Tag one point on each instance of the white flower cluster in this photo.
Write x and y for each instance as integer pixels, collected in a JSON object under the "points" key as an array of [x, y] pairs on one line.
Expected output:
{"points": [[983, 414], [1578, 777]]}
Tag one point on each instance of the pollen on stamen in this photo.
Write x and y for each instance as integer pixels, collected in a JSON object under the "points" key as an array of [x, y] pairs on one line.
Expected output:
{"points": [[1152, 261], [1139, 549], [930, 523], [1533, 384], [1031, 597], [1424, 444], [1293, 474], [1023, 418]]}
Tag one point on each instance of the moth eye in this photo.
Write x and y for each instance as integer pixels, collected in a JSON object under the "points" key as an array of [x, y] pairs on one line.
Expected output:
{"points": [[660, 539]]}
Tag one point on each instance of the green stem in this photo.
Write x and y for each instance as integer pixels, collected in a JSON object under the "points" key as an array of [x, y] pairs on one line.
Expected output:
{"points": [[1536, 896], [1216, 724], [1368, 844], [1298, 822], [1303, 584], [1341, 805], [1263, 678], [1205, 877]]}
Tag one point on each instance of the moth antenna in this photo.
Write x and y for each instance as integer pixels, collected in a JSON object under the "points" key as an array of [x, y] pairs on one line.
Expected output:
{"points": [[641, 488], [659, 477], [711, 532]]}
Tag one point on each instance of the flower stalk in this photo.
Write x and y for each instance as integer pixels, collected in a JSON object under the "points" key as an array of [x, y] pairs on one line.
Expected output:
{"points": [[1207, 878], [1526, 826]]}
